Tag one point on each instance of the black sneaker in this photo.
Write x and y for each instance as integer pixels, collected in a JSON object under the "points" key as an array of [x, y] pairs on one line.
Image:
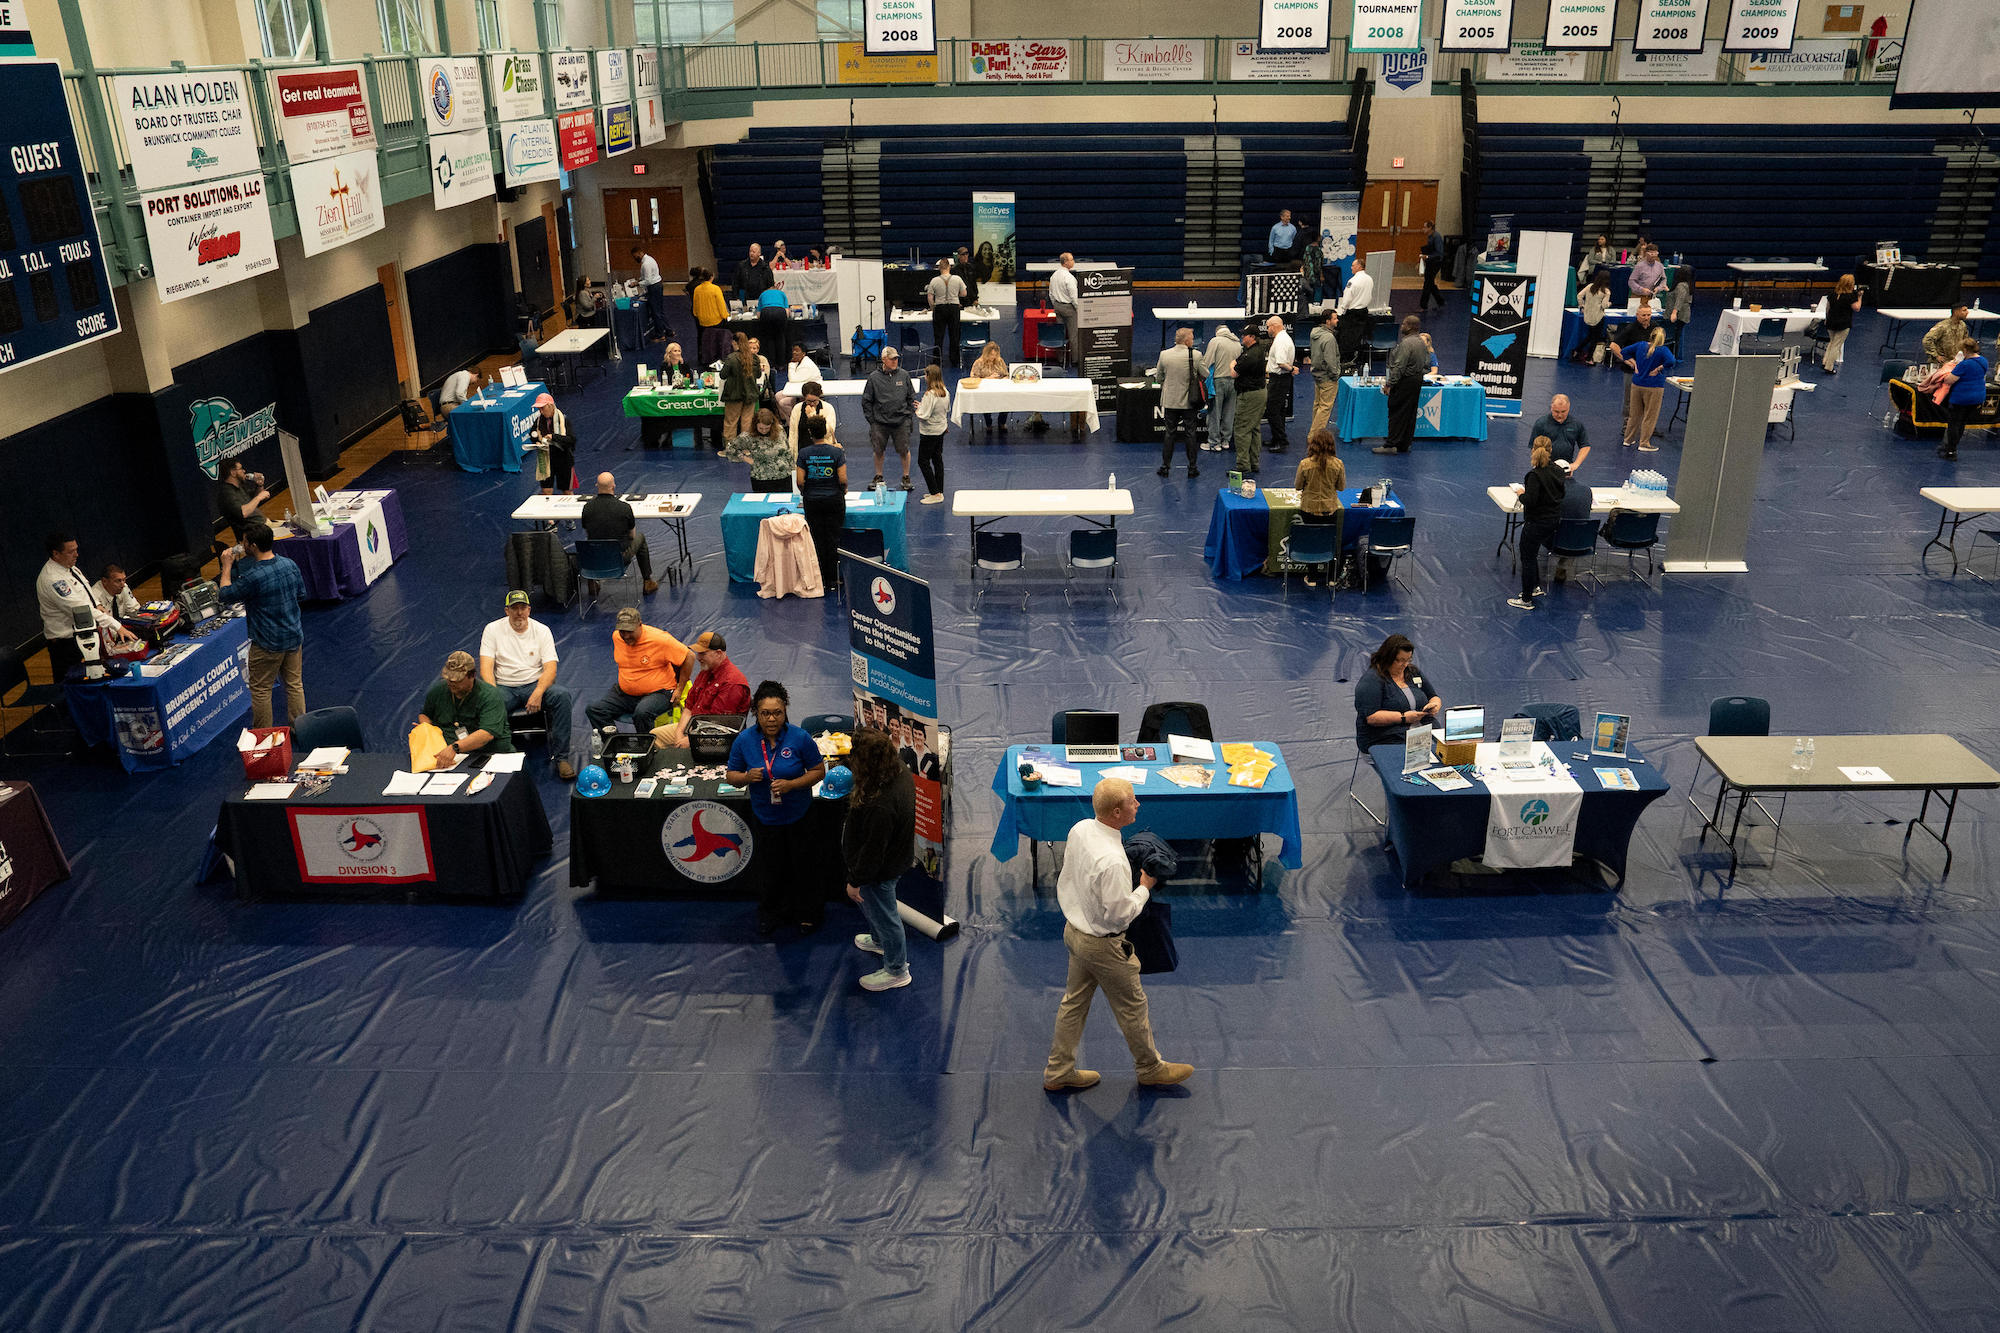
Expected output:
{"points": [[1165, 471]]}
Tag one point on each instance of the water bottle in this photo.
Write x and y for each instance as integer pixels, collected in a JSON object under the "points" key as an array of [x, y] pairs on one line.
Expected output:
{"points": [[598, 740], [881, 492], [1111, 483], [1802, 754]]}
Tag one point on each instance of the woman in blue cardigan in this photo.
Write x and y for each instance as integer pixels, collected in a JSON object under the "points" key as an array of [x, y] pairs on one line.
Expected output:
{"points": [[1393, 695]]}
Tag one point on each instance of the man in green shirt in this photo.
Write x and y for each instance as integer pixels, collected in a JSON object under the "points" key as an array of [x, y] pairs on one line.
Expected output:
{"points": [[471, 714]]}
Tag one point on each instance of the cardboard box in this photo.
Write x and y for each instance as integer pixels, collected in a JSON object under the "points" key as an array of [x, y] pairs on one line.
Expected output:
{"points": [[1457, 752]]}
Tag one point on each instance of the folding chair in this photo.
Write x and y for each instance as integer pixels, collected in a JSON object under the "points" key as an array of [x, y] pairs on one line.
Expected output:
{"points": [[995, 553], [1092, 548], [600, 562], [1631, 533], [1391, 537], [1314, 544]]}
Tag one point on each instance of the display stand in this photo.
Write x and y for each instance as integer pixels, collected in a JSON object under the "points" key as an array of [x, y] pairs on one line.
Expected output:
{"points": [[1720, 459], [1546, 255]]}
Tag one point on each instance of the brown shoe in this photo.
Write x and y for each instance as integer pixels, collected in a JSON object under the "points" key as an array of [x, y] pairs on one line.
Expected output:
{"points": [[1166, 1075], [565, 770], [652, 586], [1074, 1081]]}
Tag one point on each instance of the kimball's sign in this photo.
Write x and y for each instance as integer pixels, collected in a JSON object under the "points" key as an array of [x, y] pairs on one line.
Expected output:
{"points": [[220, 431]]}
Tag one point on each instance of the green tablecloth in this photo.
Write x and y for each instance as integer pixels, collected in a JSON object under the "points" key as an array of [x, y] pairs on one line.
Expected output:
{"points": [[673, 403]]}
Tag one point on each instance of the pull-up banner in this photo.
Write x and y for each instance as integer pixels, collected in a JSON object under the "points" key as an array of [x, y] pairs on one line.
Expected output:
{"points": [[1761, 25], [899, 27], [1496, 352], [1477, 25], [1580, 25], [1386, 25], [1295, 25], [1670, 25]]}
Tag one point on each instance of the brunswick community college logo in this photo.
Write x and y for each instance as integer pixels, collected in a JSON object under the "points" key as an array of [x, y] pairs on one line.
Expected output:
{"points": [[706, 841], [1534, 812], [374, 540], [220, 431]]}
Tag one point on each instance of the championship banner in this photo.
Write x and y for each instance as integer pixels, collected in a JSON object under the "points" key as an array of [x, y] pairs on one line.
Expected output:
{"points": [[899, 27], [337, 200], [323, 111], [569, 73], [461, 168], [375, 845], [618, 131], [993, 247], [652, 121], [1496, 351], [576, 137], [17, 42], [1339, 226], [528, 151], [1534, 827], [209, 236], [453, 99], [1580, 25], [1527, 62], [1104, 327], [1249, 65], [517, 84], [1295, 25], [1020, 62], [185, 127], [1386, 25], [1761, 25], [1477, 25], [1670, 25]]}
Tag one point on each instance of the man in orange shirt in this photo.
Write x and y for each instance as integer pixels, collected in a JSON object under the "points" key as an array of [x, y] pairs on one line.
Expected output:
{"points": [[652, 666]]}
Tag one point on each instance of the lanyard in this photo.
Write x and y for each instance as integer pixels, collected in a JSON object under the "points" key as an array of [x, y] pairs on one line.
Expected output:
{"points": [[777, 797]]}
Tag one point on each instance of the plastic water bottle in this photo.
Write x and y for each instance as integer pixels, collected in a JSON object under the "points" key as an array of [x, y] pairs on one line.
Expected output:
{"points": [[1111, 482], [881, 492], [1802, 754], [598, 740]]}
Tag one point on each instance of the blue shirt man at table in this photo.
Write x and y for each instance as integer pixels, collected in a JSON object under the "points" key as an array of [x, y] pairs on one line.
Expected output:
{"points": [[1569, 440], [270, 588]]}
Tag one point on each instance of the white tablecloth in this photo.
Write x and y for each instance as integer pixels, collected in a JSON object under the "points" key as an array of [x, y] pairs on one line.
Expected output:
{"points": [[1067, 394], [1735, 323], [814, 286]]}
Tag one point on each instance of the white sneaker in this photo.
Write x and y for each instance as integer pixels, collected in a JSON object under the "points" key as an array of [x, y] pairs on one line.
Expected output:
{"points": [[1521, 602], [934, 498], [1541, 592], [867, 942], [1649, 448], [885, 980]]}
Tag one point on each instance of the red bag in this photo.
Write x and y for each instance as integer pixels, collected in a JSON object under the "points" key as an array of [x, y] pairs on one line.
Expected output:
{"points": [[271, 763]]}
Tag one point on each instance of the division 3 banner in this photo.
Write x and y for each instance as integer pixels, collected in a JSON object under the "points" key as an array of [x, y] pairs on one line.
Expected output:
{"points": [[1496, 351]]}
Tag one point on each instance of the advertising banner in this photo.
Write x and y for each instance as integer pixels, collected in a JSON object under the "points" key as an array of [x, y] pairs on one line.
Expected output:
{"points": [[576, 137], [324, 111], [517, 84], [1104, 326], [645, 72], [892, 652], [1404, 73], [1295, 25], [1386, 25], [1249, 65], [1020, 62], [185, 127], [1155, 61], [1761, 25], [857, 66], [993, 247], [614, 77], [453, 99], [528, 151], [1533, 828], [1477, 25], [208, 236], [1496, 352], [219, 430], [371, 534], [203, 708], [377, 845], [461, 168], [1339, 224], [1580, 25], [1670, 25], [1670, 66], [618, 130], [569, 71], [652, 121], [337, 199], [1806, 62], [1527, 62], [899, 27]]}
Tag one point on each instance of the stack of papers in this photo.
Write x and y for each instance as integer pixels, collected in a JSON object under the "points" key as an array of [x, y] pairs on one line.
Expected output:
{"points": [[1188, 775], [271, 791], [1060, 775], [1617, 779], [1248, 765], [404, 784], [326, 757], [505, 763], [444, 784], [1446, 779], [1131, 774]]}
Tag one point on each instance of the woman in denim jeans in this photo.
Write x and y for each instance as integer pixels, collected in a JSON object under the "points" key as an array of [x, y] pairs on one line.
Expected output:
{"points": [[876, 843]]}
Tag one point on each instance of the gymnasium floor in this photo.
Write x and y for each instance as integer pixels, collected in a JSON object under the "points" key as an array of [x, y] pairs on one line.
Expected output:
{"points": [[1479, 1107]]}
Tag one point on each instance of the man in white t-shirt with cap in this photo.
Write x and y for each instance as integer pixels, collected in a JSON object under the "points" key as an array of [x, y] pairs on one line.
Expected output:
{"points": [[517, 656]]}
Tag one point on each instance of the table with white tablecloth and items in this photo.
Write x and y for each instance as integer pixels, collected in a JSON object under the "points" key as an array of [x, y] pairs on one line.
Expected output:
{"points": [[1051, 393], [674, 509], [1731, 326]]}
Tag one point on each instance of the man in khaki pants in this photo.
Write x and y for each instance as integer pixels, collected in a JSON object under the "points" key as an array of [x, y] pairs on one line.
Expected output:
{"points": [[270, 588], [1324, 357], [1098, 903]]}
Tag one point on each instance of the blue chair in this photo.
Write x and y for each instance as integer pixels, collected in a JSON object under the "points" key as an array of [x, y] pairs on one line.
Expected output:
{"points": [[1554, 722], [1054, 337], [1382, 336], [1059, 727], [974, 336], [997, 553], [868, 543], [821, 722], [1734, 715], [327, 726], [1576, 539], [1391, 537], [1092, 548], [600, 562], [1313, 544], [1631, 533]]}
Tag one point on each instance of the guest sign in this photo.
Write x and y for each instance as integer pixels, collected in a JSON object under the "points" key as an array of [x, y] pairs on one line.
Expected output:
{"points": [[1670, 25], [1580, 25], [1387, 25], [1477, 25], [898, 27], [1761, 25], [1295, 25]]}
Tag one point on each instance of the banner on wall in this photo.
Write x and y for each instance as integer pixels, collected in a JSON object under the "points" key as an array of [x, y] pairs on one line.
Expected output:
{"points": [[1249, 65], [899, 27], [323, 111], [892, 656], [1404, 73], [461, 168], [1020, 62], [1496, 351], [569, 78], [1761, 25], [1295, 25], [618, 131], [528, 151], [210, 235], [1670, 66], [185, 127], [337, 200], [1339, 225], [1806, 62], [1154, 61], [1527, 62], [517, 84], [652, 121], [220, 430], [453, 99], [614, 77], [645, 72], [1386, 25], [375, 845], [1580, 25], [857, 66], [576, 139], [1671, 25], [1477, 25], [993, 246], [1104, 326]]}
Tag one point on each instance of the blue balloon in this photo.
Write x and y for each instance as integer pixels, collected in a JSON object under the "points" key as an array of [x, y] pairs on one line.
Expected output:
{"points": [[839, 782], [593, 781]]}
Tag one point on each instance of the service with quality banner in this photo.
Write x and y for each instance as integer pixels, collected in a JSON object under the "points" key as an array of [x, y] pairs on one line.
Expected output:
{"points": [[614, 77], [652, 121], [1249, 65], [569, 71], [517, 84], [576, 136], [1496, 351], [1762, 25], [453, 99], [1019, 62], [993, 247], [1580, 25], [1670, 25], [618, 135], [185, 127], [324, 111], [892, 654], [337, 199], [1386, 25], [1295, 25], [376, 845], [1155, 60], [210, 235], [461, 168], [528, 151], [899, 27], [1477, 25]]}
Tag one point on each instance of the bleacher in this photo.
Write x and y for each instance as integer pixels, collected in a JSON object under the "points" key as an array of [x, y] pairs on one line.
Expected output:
{"points": [[1287, 166], [1538, 174]]}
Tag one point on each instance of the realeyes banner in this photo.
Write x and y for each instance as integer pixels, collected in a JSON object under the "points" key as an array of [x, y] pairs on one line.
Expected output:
{"points": [[993, 246], [1496, 352], [1477, 25], [1295, 25], [892, 653], [1670, 25], [898, 27], [1764, 25], [377, 845], [1580, 25]]}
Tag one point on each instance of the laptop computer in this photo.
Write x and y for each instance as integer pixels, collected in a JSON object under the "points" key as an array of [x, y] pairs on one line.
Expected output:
{"points": [[1465, 724], [1090, 737]]}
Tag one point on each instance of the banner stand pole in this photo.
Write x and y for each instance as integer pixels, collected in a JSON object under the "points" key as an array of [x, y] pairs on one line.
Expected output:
{"points": [[937, 930]]}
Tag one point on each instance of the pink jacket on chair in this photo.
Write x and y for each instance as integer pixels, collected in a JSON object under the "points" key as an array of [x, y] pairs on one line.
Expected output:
{"points": [[787, 562]]}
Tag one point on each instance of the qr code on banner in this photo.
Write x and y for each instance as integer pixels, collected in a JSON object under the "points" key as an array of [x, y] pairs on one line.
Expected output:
{"points": [[858, 668]]}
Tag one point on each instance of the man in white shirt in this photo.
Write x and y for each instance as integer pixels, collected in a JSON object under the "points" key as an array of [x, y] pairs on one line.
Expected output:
{"points": [[517, 656], [459, 386], [1098, 903], [1062, 296], [1281, 360], [113, 594], [656, 295], [60, 592], [1356, 299], [945, 294], [799, 372]]}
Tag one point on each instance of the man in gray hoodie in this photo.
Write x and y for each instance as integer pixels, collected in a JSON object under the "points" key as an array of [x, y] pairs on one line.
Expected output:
{"points": [[889, 403], [1223, 349]]}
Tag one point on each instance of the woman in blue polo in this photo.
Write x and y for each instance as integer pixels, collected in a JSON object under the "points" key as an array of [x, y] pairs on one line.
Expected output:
{"points": [[778, 764], [1968, 391], [1650, 362]]}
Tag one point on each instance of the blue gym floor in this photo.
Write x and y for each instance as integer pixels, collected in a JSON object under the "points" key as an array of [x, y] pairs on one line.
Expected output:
{"points": [[1487, 1106]]}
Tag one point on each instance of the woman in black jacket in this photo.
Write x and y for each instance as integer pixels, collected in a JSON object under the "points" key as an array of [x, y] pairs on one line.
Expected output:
{"points": [[1541, 515], [876, 843], [1393, 695]]}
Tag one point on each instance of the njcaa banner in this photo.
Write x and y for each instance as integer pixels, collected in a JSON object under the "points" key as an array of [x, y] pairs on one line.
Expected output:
{"points": [[1532, 828], [378, 845], [993, 247], [1496, 351]]}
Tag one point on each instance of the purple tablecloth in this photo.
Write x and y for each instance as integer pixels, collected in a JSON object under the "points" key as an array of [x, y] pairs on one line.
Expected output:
{"points": [[332, 564]]}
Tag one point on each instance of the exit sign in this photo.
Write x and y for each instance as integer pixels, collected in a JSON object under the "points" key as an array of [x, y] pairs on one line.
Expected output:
{"points": [[638, 168]]}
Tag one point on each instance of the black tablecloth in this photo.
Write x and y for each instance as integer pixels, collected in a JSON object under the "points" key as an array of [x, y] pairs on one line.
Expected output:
{"points": [[30, 857], [1138, 408], [625, 844], [482, 845], [1908, 287]]}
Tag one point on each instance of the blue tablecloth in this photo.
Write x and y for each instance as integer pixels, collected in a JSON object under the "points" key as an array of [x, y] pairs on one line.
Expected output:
{"points": [[1572, 334], [629, 327], [331, 565], [491, 431], [742, 515], [1218, 811], [1430, 828], [160, 720], [1239, 530], [1444, 411]]}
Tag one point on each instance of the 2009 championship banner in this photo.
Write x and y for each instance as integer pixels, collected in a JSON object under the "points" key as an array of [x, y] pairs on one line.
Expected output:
{"points": [[1496, 351]]}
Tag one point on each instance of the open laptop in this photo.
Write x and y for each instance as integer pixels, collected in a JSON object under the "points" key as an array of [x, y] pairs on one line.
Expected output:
{"points": [[1465, 724], [1090, 737]]}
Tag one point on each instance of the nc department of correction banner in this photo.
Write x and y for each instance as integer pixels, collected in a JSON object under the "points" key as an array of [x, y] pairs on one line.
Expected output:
{"points": [[1580, 25], [209, 235], [1770, 25], [1477, 25], [992, 247], [1670, 25], [324, 111], [898, 27], [1295, 25], [1496, 351], [1386, 25], [1104, 326]]}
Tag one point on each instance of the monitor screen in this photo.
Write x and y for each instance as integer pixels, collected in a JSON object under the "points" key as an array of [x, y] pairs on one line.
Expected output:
{"points": [[1464, 724], [1090, 728]]}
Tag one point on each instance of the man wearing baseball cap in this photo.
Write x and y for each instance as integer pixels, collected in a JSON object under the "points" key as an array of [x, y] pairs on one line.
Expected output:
{"points": [[652, 666], [467, 710], [721, 687], [555, 445], [517, 656]]}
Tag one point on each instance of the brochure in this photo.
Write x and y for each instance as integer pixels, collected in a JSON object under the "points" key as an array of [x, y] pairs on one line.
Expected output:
{"points": [[1416, 750], [1608, 735], [1517, 737], [1061, 775], [1191, 747], [1617, 779], [1188, 775], [1446, 779]]}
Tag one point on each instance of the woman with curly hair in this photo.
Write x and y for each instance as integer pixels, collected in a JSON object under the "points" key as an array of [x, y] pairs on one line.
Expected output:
{"points": [[876, 844]]}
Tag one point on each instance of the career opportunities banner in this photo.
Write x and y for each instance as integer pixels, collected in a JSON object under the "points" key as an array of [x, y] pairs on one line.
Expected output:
{"points": [[1295, 25], [1764, 25], [892, 655], [1477, 25], [1386, 25], [1496, 352], [1670, 25], [1580, 25], [898, 27]]}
